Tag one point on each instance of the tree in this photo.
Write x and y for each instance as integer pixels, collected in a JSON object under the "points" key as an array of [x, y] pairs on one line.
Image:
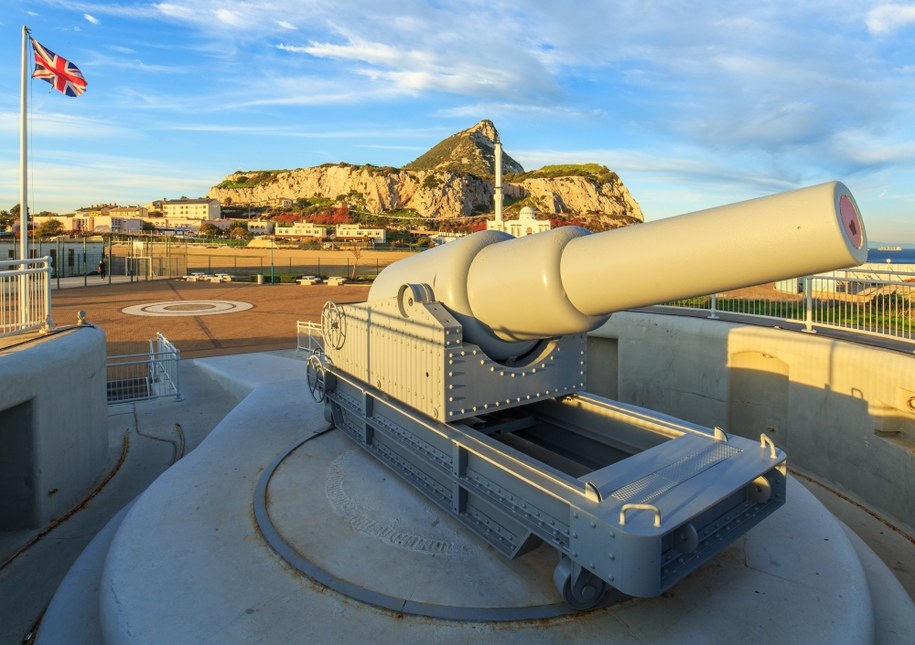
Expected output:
{"points": [[238, 231], [148, 227], [356, 250], [208, 229], [51, 228]]}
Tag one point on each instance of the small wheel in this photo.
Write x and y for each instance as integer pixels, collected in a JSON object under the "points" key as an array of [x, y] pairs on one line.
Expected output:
{"points": [[316, 376], [580, 588], [333, 325]]}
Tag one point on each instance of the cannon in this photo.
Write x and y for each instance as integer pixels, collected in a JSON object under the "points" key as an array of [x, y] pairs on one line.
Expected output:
{"points": [[465, 373]]}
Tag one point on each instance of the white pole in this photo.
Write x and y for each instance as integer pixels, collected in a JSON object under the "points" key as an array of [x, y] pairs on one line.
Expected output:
{"points": [[23, 153], [24, 309], [498, 192]]}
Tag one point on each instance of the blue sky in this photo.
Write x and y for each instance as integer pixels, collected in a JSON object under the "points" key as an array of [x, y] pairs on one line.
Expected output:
{"points": [[694, 104]]}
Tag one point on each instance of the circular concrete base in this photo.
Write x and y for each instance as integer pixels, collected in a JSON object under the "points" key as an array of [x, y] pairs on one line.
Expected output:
{"points": [[381, 542]]}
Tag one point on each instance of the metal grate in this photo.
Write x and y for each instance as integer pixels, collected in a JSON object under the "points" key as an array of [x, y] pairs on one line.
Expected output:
{"points": [[655, 484]]}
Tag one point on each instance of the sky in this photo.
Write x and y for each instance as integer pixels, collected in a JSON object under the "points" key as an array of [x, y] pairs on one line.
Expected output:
{"points": [[693, 103]]}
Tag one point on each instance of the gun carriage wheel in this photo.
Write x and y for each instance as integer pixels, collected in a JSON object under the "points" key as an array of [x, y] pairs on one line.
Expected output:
{"points": [[580, 588], [316, 376], [333, 325]]}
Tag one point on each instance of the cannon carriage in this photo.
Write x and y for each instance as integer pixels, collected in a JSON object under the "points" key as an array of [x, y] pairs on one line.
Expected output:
{"points": [[465, 373]]}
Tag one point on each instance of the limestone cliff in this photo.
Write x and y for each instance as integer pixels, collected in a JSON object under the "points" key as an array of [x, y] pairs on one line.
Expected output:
{"points": [[454, 178]]}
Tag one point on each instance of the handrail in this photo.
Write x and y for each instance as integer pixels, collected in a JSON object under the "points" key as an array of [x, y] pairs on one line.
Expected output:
{"points": [[870, 301], [25, 295]]}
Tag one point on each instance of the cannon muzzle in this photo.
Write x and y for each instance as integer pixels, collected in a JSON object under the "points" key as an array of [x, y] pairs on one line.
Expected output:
{"points": [[510, 292]]}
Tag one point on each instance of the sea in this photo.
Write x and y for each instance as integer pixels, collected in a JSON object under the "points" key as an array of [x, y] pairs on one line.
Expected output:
{"points": [[904, 256]]}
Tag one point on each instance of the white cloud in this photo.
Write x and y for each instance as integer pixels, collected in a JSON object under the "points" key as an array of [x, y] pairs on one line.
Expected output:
{"points": [[178, 11], [225, 16], [887, 18], [90, 18]]}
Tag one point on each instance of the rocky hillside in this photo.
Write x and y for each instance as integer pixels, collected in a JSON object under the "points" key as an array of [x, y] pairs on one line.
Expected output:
{"points": [[452, 179], [470, 151]]}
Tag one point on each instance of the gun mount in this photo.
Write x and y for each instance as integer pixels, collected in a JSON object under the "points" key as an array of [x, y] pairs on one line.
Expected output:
{"points": [[465, 371]]}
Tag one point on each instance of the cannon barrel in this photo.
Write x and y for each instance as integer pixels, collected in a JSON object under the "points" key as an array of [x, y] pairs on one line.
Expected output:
{"points": [[510, 292]]}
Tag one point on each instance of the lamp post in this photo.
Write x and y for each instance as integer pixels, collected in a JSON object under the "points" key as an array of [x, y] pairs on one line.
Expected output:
{"points": [[272, 246]]}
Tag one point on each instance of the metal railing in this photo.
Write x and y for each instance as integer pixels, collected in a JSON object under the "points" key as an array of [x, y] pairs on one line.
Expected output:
{"points": [[308, 337], [25, 295], [144, 376], [867, 301]]}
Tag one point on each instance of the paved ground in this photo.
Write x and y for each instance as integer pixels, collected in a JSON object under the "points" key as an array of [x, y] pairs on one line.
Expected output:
{"points": [[269, 325]]}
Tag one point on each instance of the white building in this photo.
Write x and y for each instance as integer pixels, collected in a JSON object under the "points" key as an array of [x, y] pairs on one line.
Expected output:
{"points": [[356, 232], [443, 237], [77, 257], [69, 224], [300, 229], [260, 226], [183, 225], [112, 224], [129, 212], [184, 209], [526, 224]]}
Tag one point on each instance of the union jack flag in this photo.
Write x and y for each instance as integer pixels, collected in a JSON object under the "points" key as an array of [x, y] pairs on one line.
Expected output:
{"points": [[57, 70]]}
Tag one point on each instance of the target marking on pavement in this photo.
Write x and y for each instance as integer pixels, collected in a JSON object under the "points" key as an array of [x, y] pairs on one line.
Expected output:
{"points": [[187, 308]]}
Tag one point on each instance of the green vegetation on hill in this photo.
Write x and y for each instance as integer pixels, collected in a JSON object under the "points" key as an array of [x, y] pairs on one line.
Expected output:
{"points": [[600, 174], [460, 154], [249, 178], [445, 156]]}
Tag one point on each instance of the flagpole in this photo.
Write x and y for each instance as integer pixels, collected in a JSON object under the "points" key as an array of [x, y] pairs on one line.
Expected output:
{"points": [[23, 153], [24, 305]]}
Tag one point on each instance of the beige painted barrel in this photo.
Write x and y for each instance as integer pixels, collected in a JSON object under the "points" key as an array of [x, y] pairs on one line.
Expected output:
{"points": [[787, 235], [567, 281]]}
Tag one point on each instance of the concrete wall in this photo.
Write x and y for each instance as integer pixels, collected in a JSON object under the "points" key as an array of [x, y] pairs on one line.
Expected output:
{"points": [[843, 412], [53, 425]]}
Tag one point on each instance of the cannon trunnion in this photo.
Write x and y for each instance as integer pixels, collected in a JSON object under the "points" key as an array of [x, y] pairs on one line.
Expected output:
{"points": [[478, 399]]}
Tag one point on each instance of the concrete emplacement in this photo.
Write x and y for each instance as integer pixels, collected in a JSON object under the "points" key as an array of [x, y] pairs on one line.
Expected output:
{"points": [[383, 560], [53, 441]]}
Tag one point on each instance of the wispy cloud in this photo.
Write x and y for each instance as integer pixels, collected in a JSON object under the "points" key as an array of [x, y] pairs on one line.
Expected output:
{"points": [[62, 179], [890, 17], [90, 18], [63, 126]]}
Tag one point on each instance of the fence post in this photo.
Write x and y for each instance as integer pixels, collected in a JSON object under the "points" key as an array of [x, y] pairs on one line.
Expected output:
{"points": [[808, 300], [713, 306], [48, 322]]}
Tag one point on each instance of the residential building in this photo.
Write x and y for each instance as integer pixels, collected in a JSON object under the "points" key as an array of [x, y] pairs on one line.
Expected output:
{"points": [[195, 209], [356, 232], [69, 224], [109, 224], [260, 226], [129, 212], [299, 229]]}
